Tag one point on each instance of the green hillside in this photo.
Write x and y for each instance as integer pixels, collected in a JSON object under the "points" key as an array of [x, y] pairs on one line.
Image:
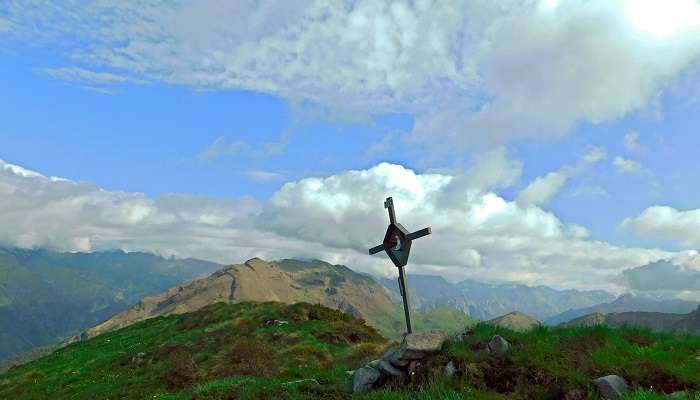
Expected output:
{"points": [[243, 351], [46, 296]]}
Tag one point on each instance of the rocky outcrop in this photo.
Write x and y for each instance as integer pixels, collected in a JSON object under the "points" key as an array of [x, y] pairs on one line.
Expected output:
{"points": [[399, 361], [498, 345], [515, 321]]}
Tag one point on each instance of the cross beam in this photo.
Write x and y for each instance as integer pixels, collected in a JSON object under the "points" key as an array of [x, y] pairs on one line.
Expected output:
{"points": [[397, 245]]}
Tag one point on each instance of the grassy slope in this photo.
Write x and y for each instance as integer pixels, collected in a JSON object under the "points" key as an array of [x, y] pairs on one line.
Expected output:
{"points": [[228, 352]]}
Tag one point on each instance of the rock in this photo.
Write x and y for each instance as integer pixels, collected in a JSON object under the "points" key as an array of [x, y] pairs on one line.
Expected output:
{"points": [[498, 345], [416, 346], [364, 378], [393, 356], [611, 387], [138, 358], [450, 369], [386, 367]]}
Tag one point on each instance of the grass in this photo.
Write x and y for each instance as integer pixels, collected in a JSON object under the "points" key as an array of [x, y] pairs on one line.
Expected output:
{"points": [[239, 352]]}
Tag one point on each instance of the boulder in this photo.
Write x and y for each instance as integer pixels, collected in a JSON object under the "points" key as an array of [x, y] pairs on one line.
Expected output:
{"points": [[393, 356], [386, 367], [416, 346], [611, 387], [364, 378], [498, 345]]}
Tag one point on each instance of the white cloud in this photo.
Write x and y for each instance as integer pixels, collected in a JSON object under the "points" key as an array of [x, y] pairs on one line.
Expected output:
{"points": [[336, 218], [80, 75], [495, 238], [483, 70], [220, 147], [677, 277], [264, 176], [380, 147], [664, 222], [632, 144], [271, 149], [629, 166], [544, 188]]}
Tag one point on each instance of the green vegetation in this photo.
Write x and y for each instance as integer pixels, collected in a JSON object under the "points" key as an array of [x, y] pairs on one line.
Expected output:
{"points": [[443, 318], [240, 351]]}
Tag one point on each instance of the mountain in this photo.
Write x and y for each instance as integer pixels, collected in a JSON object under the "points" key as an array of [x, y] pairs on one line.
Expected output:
{"points": [[515, 321], [627, 303], [485, 301], [46, 296], [662, 322], [253, 351], [286, 281]]}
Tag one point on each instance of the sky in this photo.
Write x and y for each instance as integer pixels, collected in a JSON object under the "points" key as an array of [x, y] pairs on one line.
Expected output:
{"points": [[545, 142]]}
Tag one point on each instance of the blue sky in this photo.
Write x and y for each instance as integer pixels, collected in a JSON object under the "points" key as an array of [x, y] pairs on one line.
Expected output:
{"points": [[577, 116]]}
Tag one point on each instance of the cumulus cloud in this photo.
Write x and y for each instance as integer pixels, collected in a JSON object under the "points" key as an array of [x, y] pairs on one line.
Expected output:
{"points": [[544, 188], [628, 166], [487, 70], [495, 238], [664, 222], [678, 277], [336, 218]]}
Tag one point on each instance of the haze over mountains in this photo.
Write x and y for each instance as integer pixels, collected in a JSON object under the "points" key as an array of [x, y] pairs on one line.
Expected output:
{"points": [[486, 301], [46, 296]]}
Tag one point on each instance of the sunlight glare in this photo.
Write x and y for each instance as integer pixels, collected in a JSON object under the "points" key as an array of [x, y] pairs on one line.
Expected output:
{"points": [[663, 18]]}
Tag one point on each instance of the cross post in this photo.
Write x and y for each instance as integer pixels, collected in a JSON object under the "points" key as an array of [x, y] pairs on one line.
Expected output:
{"points": [[397, 245]]}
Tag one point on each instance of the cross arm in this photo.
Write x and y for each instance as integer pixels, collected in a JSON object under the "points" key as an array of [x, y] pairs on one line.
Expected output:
{"points": [[376, 249], [419, 234]]}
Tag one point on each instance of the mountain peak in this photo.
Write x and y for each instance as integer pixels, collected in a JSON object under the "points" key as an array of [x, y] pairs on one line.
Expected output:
{"points": [[515, 321]]}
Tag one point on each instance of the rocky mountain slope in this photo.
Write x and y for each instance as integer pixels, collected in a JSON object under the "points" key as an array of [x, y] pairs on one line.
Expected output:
{"points": [[663, 322], [286, 281], [515, 321], [46, 296], [485, 301], [627, 303]]}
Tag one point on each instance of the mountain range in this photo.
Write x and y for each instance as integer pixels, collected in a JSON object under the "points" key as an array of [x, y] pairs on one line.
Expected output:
{"points": [[663, 322], [485, 301], [46, 296], [627, 303]]}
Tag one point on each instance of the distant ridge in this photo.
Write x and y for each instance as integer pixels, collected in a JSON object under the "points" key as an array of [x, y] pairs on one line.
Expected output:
{"points": [[486, 301], [627, 303], [286, 281], [663, 322], [515, 321]]}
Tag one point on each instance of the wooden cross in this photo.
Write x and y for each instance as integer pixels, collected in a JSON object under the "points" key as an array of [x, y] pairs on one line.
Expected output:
{"points": [[397, 245]]}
